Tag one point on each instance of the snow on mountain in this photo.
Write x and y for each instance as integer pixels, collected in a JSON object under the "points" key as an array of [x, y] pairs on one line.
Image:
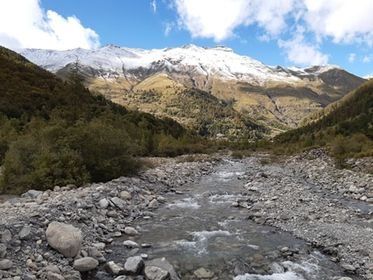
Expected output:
{"points": [[220, 62]]}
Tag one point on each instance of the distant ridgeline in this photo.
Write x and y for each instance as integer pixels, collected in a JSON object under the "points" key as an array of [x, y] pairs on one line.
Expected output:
{"points": [[57, 133], [346, 127]]}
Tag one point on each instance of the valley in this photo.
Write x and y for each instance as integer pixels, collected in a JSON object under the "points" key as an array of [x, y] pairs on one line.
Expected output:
{"points": [[90, 195], [186, 140], [156, 81]]}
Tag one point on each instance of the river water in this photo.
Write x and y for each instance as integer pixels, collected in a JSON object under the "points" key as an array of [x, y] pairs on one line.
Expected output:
{"points": [[199, 228]]}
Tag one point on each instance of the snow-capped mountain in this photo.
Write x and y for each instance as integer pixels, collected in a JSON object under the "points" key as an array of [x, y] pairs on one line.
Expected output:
{"points": [[155, 80], [219, 62]]}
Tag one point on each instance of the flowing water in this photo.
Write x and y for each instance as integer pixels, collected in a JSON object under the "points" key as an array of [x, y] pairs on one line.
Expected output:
{"points": [[200, 228]]}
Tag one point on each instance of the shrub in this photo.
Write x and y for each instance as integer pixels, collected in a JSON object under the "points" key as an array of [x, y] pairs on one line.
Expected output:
{"points": [[32, 163]]}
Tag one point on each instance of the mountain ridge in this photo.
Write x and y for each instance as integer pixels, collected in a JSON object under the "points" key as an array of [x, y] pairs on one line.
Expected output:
{"points": [[277, 98], [115, 58]]}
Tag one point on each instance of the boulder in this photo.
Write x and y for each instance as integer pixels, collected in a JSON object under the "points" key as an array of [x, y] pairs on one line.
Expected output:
{"points": [[33, 194], [113, 268], [164, 265], [103, 203], [25, 232], [118, 203], [130, 231], [154, 204], [125, 195], [85, 264], [64, 238], [130, 244], [6, 264], [3, 249], [134, 265], [5, 236], [156, 273], [203, 273], [54, 276]]}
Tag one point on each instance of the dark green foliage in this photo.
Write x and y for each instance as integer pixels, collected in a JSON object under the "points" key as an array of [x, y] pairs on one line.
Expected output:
{"points": [[56, 133], [347, 129]]}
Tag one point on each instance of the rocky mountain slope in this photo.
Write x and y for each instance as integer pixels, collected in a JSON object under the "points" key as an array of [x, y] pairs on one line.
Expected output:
{"points": [[276, 97]]}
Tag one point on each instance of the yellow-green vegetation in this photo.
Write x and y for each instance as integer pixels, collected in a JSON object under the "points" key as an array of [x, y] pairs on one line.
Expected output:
{"points": [[275, 105], [195, 109], [56, 133], [345, 128]]}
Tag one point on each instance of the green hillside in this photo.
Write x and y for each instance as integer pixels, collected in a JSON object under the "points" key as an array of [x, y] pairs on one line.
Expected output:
{"points": [[57, 133], [346, 127]]}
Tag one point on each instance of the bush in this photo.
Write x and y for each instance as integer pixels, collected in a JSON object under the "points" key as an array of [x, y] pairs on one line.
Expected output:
{"points": [[32, 163], [107, 152]]}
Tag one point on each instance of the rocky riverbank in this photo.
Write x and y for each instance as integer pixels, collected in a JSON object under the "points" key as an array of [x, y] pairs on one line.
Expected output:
{"points": [[307, 196], [66, 233], [73, 233]]}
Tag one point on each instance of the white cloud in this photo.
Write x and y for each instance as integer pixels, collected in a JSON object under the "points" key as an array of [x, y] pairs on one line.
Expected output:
{"points": [[153, 4], [344, 21], [352, 57], [218, 19], [302, 53], [168, 26], [32, 27]]}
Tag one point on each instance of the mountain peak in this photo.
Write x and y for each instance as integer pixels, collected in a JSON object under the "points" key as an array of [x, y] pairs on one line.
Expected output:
{"points": [[223, 48], [219, 61], [111, 46]]}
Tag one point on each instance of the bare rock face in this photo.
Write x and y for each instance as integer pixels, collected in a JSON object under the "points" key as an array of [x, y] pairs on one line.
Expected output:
{"points": [[65, 238]]}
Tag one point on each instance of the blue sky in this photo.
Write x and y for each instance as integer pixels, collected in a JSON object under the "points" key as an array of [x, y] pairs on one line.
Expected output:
{"points": [[281, 32]]}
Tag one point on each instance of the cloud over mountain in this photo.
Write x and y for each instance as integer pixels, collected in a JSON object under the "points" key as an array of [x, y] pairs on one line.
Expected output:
{"points": [[24, 24], [342, 21]]}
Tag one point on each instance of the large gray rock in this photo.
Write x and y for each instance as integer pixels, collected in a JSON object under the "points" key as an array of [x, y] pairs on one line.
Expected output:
{"points": [[164, 265], [65, 238], [130, 231], [6, 264], [118, 203], [2, 250], [52, 268], [134, 265], [5, 236], [85, 264], [32, 194], [130, 244], [25, 232], [103, 203], [113, 268], [72, 275], [156, 273], [203, 273], [154, 204], [125, 195], [54, 276]]}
